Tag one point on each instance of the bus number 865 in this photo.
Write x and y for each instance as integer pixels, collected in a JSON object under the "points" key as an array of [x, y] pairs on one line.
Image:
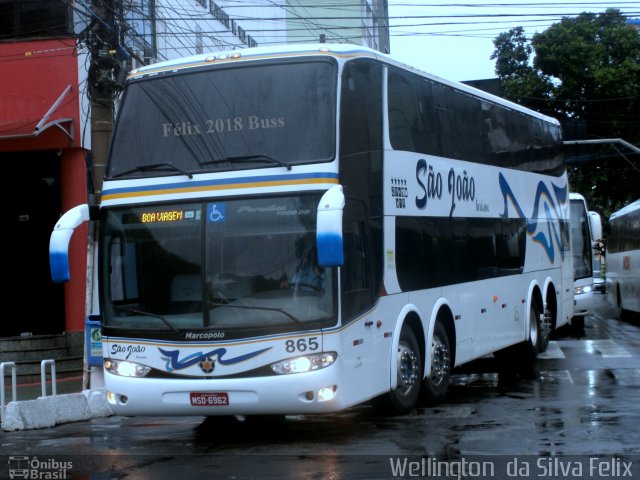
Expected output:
{"points": [[302, 344]]}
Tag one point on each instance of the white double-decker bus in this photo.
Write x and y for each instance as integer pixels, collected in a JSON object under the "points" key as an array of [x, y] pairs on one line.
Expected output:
{"points": [[301, 229], [586, 228], [623, 259]]}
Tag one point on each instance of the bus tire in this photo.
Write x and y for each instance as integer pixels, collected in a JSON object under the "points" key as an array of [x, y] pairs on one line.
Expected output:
{"points": [[404, 397], [535, 340], [435, 386], [524, 353], [618, 302], [549, 322], [577, 323]]}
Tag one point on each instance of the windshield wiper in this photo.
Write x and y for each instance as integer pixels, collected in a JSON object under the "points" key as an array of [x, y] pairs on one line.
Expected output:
{"points": [[255, 307], [154, 166], [140, 312], [249, 158]]}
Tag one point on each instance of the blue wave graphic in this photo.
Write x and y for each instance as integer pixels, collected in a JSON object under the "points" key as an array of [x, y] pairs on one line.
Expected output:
{"points": [[174, 363], [551, 204]]}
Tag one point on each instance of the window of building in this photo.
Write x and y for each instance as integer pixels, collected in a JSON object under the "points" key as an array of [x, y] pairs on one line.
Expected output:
{"points": [[140, 18], [34, 18]]}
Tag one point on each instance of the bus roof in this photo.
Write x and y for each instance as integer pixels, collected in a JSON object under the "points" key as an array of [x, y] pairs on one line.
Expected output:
{"points": [[323, 49], [633, 206], [576, 196]]}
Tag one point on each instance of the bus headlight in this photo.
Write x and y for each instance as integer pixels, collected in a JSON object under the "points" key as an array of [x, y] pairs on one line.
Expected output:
{"points": [[581, 290], [306, 363], [125, 368]]}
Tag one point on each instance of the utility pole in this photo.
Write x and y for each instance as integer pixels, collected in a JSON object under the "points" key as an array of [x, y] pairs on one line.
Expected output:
{"points": [[103, 72]]}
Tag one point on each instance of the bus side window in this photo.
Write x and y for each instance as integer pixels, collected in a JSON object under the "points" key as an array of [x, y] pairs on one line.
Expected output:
{"points": [[360, 117], [510, 246], [414, 119], [356, 272], [361, 175], [401, 113]]}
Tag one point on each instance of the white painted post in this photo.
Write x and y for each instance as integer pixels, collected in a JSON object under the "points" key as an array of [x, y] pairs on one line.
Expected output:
{"points": [[43, 376], [14, 389]]}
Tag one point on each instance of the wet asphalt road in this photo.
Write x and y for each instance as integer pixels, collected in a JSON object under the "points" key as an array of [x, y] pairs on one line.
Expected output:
{"points": [[576, 413]]}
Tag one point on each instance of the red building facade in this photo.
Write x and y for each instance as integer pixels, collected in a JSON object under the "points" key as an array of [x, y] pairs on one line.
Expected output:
{"points": [[43, 157]]}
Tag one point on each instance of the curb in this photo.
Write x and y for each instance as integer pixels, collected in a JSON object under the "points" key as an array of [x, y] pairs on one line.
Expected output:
{"points": [[45, 412]]}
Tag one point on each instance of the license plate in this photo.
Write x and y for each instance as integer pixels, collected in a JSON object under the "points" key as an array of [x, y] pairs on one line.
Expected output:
{"points": [[209, 399]]}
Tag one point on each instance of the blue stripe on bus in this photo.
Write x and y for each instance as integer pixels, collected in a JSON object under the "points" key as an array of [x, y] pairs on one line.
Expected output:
{"points": [[545, 239], [225, 181]]}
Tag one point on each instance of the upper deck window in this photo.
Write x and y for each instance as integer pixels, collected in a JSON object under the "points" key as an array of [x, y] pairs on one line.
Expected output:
{"points": [[434, 118], [245, 116]]}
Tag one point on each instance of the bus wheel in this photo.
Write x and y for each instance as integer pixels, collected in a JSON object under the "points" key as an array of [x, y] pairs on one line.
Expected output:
{"points": [[535, 330], [577, 323], [520, 357], [435, 386], [545, 330], [409, 370]]}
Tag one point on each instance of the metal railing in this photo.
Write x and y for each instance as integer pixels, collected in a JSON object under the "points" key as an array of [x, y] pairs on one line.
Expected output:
{"points": [[14, 385], [43, 376], [14, 388]]}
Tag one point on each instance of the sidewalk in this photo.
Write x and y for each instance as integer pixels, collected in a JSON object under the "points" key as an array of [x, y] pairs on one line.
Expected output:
{"points": [[31, 410], [33, 390]]}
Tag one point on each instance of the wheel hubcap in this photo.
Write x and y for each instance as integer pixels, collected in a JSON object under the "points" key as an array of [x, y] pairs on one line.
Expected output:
{"points": [[546, 324], [439, 362], [533, 328], [408, 369]]}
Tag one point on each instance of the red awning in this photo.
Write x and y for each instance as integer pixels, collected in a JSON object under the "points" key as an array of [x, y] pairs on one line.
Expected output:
{"points": [[32, 127]]}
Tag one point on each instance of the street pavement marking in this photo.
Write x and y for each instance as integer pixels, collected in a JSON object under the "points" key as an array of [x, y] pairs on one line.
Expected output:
{"points": [[607, 348], [489, 379], [556, 376], [553, 351], [627, 377], [452, 411]]}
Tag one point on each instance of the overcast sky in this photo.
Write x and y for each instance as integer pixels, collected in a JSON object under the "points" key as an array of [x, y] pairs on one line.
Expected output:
{"points": [[455, 40]]}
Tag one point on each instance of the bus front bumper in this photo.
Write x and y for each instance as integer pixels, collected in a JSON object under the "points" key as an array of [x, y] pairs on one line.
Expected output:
{"points": [[311, 392], [583, 301]]}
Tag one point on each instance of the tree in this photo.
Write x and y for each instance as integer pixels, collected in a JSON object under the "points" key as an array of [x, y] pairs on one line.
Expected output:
{"points": [[521, 82], [583, 69]]}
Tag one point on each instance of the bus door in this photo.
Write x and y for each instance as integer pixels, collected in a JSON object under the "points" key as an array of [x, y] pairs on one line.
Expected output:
{"points": [[364, 361]]}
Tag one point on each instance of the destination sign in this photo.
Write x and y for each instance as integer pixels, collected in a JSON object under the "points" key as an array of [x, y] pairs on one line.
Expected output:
{"points": [[161, 216]]}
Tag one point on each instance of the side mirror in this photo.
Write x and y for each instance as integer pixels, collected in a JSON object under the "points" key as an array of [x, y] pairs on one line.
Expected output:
{"points": [[329, 228], [60, 238], [595, 222]]}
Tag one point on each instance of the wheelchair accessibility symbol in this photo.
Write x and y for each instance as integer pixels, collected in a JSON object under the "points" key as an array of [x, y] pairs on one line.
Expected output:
{"points": [[215, 212]]}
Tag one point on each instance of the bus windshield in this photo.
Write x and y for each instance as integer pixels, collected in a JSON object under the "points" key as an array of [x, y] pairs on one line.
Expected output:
{"points": [[580, 240], [222, 265], [226, 118]]}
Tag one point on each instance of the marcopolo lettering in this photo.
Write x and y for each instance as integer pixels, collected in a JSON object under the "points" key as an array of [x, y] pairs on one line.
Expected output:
{"points": [[203, 335]]}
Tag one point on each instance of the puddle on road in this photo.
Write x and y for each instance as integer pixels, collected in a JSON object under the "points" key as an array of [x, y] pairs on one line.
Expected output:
{"points": [[475, 380]]}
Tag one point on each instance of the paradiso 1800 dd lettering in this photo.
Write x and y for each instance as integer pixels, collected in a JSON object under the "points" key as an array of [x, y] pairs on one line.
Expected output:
{"points": [[460, 187]]}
